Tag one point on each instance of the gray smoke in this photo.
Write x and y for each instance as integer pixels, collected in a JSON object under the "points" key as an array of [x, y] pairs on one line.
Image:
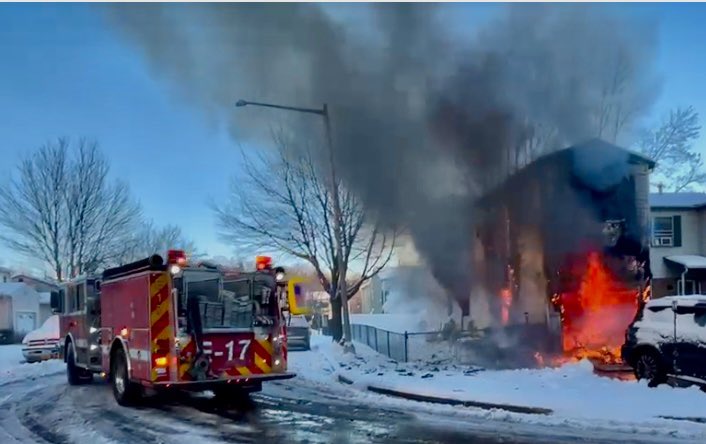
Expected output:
{"points": [[423, 119]]}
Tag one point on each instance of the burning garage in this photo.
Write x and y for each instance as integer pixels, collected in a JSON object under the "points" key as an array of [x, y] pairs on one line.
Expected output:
{"points": [[561, 253]]}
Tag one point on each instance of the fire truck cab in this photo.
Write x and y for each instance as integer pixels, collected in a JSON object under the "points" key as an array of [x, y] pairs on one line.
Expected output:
{"points": [[163, 325]]}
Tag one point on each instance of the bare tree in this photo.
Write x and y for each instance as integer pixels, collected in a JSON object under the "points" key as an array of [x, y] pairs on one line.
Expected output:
{"points": [[100, 216], [670, 144], [62, 208], [156, 240], [282, 204], [32, 206]]}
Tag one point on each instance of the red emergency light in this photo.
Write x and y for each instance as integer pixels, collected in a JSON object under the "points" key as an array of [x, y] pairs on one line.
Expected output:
{"points": [[263, 263], [177, 257]]}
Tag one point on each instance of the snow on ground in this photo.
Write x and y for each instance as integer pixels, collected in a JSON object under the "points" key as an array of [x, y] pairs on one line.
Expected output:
{"points": [[13, 366], [578, 397]]}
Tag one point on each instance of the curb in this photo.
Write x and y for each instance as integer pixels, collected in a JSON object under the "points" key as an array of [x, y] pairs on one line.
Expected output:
{"points": [[448, 401]]}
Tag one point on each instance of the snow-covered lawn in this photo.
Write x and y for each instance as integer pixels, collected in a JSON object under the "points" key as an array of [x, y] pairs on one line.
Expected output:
{"points": [[573, 392], [13, 366]]}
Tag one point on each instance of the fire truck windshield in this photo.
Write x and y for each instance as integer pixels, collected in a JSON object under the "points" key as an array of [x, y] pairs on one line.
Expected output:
{"points": [[219, 308]]}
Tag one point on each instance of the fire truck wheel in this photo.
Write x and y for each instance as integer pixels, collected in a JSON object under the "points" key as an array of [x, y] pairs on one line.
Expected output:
{"points": [[649, 366], [76, 375], [126, 393]]}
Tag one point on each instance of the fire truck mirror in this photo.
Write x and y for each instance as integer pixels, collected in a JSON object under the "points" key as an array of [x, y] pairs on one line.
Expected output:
{"points": [[57, 301]]}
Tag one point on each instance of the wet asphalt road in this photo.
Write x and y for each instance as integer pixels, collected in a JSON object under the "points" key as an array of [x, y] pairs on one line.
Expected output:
{"points": [[293, 411]]}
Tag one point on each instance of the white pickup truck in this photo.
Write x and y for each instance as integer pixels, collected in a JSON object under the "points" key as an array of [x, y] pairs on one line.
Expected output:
{"points": [[43, 343]]}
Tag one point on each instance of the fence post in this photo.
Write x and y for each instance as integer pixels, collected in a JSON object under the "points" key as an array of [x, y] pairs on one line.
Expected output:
{"points": [[406, 336], [376, 340], [389, 353]]}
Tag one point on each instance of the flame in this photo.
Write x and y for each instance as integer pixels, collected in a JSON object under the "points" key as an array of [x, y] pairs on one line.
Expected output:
{"points": [[506, 296], [595, 317], [506, 303]]}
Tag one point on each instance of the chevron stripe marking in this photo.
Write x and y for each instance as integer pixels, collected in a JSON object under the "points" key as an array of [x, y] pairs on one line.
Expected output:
{"points": [[159, 283]]}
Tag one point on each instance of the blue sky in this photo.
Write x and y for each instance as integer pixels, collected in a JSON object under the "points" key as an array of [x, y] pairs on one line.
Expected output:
{"points": [[65, 72]]}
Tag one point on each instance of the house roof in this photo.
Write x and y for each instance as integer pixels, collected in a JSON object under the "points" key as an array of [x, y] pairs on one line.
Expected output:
{"points": [[596, 159], [677, 200], [690, 261], [36, 279], [13, 288]]}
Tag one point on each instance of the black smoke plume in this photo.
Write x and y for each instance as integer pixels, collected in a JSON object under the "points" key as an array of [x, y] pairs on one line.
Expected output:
{"points": [[424, 119]]}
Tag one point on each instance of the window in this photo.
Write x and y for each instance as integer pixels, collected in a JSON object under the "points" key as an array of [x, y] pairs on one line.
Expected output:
{"points": [[80, 296], [666, 231], [690, 287]]}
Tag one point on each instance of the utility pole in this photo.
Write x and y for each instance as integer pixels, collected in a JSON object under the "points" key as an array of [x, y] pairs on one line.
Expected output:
{"points": [[341, 285]]}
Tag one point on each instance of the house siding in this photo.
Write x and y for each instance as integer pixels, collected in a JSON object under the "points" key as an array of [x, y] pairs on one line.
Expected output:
{"points": [[692, 240], [24, 300]]}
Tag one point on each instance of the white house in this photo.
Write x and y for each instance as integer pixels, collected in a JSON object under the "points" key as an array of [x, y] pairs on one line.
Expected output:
{"points": [[19, 308], [678, 250]]}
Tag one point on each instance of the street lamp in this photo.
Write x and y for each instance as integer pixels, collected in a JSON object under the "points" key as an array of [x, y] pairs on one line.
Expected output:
{"points": [[337, 214]]}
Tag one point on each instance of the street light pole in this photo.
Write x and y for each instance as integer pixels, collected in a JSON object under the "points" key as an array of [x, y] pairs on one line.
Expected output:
{"points": [[337, 211]]}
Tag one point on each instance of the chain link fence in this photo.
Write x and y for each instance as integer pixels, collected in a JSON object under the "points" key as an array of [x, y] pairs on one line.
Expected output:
{"points": [[402, 347]]}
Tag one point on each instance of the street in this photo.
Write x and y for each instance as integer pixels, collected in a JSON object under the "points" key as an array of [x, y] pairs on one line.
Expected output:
{"points": [[49, 410]]}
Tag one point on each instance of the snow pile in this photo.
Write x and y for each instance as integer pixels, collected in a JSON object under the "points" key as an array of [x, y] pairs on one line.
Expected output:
{"points": [[577, 396], [13, 366]]}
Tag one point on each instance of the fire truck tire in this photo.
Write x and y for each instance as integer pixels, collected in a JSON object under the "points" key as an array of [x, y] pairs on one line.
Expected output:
{"points": [[650, 366], [76, 375], [126, 393]]}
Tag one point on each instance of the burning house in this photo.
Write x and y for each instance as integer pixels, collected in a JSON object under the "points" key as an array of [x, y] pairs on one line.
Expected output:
{"points": [[561, 252]]}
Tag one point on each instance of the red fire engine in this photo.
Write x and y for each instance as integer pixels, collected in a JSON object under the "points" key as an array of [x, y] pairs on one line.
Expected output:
{"points": [[156, 325]]}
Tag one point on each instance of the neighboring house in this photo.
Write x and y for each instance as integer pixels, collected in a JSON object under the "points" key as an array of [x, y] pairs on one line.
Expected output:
{"points": [[371, 296], [678, 244], [19, 308], [5, 275], [354, 304], [39, 285]]}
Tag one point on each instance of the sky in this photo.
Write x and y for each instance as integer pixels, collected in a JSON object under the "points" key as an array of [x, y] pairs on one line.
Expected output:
{"points": [[64, 71]]}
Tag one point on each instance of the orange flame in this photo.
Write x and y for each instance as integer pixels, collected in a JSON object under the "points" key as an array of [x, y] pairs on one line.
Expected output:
{"points": [[595, 317], [506, 301]]}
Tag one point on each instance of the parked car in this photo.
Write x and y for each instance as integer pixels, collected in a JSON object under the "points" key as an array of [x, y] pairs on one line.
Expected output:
{"points": [[43, 343], [298, 333], [668, 339]]}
